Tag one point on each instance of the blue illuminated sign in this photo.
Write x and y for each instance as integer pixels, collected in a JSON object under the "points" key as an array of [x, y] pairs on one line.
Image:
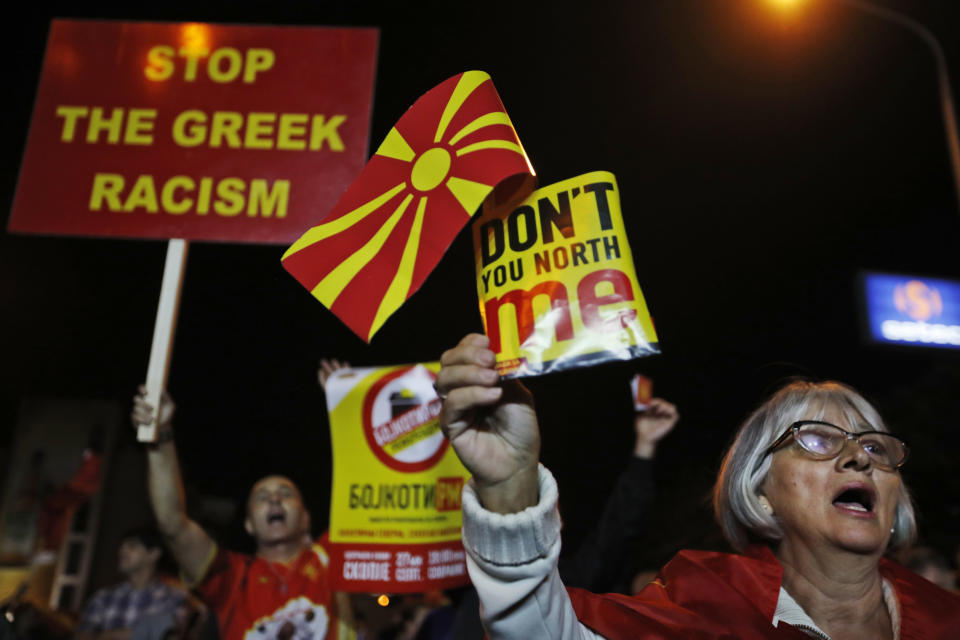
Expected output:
{"points": [[912, 310]]}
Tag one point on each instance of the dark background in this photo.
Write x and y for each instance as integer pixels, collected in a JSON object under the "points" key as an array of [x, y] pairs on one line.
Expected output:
{"points": [[764, 160]]}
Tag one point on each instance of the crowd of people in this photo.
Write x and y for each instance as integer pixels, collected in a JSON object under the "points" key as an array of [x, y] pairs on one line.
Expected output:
{"points": [[809, 495], [283, 590]]}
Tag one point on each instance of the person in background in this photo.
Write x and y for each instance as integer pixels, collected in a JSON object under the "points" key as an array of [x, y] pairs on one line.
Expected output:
{"points": [[602, 562], [192, 620], [605, 559], [281, 592], [326, 369], [810, 493], [641, 579], [930, 564], [112, 613]]}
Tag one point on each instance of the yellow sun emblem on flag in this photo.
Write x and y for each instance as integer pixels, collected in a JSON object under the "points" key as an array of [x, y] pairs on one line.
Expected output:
{"points": [[392, 226]]}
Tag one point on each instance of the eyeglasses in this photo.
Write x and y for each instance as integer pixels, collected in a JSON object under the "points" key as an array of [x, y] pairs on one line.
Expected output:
{"points": [[824, 441]]}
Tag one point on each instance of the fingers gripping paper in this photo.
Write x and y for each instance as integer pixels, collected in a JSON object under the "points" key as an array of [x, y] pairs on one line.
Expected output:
{"points": [[392, 226], [395, 503], [556, 280]]}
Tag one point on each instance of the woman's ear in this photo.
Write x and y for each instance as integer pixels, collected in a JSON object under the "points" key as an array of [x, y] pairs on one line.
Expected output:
{"points": [[765, 505]]}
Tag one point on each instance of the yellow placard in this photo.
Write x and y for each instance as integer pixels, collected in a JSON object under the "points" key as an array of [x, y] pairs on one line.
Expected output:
{"points": [[396, 480], [556, 280]]}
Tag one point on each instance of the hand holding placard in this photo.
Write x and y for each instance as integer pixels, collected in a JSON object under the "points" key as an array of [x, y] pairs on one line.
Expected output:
{"points": [[653, 424], [492, 427]]}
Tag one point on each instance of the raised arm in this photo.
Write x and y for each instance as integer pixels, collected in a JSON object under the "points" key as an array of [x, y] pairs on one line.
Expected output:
{"points": [[190, 544], [608, 555], [651, 425], [492, 426], [511, 525], [327, 368]]}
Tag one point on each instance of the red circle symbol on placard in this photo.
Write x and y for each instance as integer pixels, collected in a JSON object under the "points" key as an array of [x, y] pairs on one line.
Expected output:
{"points": [[378, 400]]}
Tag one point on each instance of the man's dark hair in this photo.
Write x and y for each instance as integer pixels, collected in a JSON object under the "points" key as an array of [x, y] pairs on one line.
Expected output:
{"points": [[292, 477]]}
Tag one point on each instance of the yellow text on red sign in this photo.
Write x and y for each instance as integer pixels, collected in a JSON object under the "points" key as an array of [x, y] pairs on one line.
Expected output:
{"points": [[192, 130]]}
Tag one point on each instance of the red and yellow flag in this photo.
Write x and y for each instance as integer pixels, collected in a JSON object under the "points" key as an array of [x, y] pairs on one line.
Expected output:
{"points": [[392, 226]]}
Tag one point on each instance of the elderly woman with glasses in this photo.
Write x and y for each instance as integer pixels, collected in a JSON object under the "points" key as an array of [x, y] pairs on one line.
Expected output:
{"points": [[810, 493]]}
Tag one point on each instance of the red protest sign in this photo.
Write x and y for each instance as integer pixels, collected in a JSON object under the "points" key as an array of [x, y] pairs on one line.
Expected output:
{"points": [[195, 131]]}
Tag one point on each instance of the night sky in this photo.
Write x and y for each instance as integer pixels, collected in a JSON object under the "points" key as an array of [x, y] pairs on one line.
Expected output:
{"points": [[764, 161]]}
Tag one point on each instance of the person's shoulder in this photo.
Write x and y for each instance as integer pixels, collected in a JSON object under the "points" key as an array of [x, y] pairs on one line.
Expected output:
{"points": [[102, 596], [932, 595], [926, 609], [112, 590], [236, 559], [756, 559], [169, 589], [223, 562], [760, 555], [98, 596], [755, 574], [319, 548]]}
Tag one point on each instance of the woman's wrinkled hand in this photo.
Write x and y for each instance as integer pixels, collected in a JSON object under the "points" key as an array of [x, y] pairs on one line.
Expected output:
{"points": [[491, 424]]}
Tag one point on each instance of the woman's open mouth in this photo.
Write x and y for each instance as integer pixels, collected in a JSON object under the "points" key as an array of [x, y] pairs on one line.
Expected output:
{"points": [[857, 499]]}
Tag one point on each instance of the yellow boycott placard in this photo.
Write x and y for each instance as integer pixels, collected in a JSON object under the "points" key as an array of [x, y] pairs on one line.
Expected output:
{"points": [[395, 507], [556, 280]]}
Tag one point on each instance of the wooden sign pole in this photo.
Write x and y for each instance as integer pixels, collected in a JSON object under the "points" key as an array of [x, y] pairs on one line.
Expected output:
{"points": [[163, 331]]}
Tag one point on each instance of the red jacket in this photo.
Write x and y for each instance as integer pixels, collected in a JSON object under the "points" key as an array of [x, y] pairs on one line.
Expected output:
{"points": [[703, 594]]}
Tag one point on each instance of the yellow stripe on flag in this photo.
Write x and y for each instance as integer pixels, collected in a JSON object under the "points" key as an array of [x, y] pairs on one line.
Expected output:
{"points": [[488, 120], [322, 231], [397, 293], [490, 144], [330, 287], [470, 194], [468, 82], [394, 146]]}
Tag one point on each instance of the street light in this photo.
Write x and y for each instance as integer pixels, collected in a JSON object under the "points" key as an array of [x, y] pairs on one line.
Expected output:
{"points": [[786, 4], [943, 78]]}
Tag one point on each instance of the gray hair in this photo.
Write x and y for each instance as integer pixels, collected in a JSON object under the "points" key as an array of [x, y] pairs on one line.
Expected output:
{"points": [[736, 500]]}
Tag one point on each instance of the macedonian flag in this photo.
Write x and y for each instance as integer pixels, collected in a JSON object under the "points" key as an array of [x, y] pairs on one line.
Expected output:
{"points": [[392, 226]]}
